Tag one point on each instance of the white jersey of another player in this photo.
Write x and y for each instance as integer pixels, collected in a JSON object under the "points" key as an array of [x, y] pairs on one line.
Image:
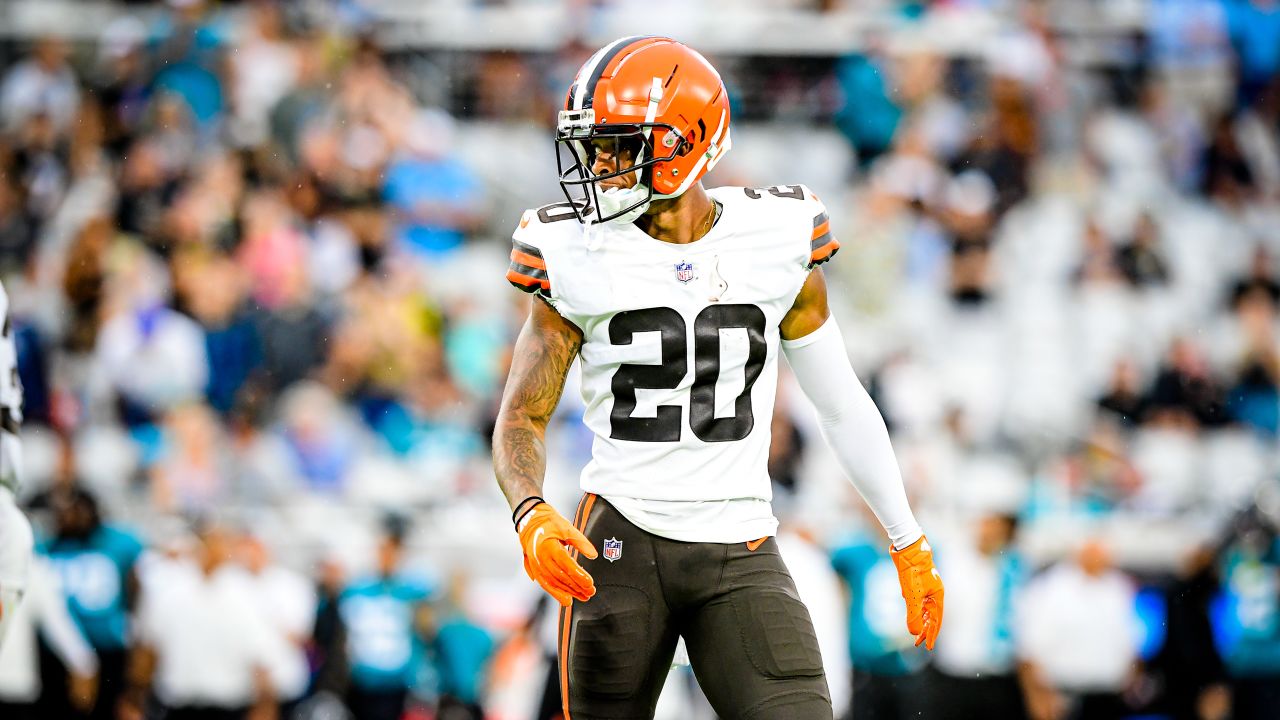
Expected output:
{"points": [[680, 351], [15, 531]]}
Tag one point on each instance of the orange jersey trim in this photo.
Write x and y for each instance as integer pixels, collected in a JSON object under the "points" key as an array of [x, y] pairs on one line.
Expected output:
{"points": [[821, 230], [526, 259], [526, 281]]}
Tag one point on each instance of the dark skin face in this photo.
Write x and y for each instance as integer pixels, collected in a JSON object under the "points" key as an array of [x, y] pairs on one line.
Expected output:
{"points": [[72, 518], [680, 220]]}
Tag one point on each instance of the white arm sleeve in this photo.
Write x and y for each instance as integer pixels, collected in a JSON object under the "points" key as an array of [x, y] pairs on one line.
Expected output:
{"points": [[853, 428]]}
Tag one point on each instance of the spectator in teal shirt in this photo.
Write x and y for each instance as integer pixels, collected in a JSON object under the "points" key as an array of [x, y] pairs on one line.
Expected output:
{"points": [[1247, 621], [96, 563], [883, 654], [461, 651], [869, 116], [384, 616]]}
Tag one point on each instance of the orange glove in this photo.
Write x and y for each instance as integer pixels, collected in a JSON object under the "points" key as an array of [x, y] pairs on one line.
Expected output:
{"points": [[922, 589], [545, 537]]}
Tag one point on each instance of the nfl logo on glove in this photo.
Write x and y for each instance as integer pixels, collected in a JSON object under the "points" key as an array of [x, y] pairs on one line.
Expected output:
{"points": [[612, 549], [684, 272]]}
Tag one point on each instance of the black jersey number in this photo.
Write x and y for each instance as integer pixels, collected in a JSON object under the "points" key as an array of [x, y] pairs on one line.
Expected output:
{"points": [[666, 423], [664, 426]]}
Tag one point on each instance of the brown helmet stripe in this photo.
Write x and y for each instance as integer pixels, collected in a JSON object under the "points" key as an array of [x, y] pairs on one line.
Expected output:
{"points": [[588, 88]]}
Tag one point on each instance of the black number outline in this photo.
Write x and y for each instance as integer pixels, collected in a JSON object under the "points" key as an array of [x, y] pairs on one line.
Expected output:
{"points": [[795, 192], [706, 371], [545, 216]]}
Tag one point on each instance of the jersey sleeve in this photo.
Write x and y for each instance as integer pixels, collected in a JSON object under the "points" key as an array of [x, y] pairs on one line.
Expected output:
{"points": [[528, 268], [822, 244]]}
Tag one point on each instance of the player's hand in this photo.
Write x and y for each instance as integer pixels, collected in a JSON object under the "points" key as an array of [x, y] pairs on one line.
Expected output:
{"points": [[922, 589], [546, 537]]}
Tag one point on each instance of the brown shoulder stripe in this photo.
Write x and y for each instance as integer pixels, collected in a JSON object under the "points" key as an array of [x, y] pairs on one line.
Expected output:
{"points": [[821, 231], [529, 279], [526, 248], [820, 241], [528, 269]]}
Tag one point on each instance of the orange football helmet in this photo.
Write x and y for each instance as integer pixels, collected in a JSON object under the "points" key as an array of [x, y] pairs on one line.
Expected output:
{"points": [[659, 99]]}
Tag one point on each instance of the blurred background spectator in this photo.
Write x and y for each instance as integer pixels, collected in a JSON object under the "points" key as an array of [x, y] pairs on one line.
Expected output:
{"points": [[96, 562], [385, 615], [1079, 636], [204, 641], [976, 673], [44, 611], [255, 254]]}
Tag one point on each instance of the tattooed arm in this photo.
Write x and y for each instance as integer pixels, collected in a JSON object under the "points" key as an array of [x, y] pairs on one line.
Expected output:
{"points": [[543, 353], [545, 349]]}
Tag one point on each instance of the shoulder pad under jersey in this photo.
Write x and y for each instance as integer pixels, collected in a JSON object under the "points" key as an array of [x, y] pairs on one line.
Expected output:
{"points": [[540, 229], [801, 204]]}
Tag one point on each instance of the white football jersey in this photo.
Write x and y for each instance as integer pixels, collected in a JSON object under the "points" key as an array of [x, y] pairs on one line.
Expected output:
{"points": [[680, 352]]}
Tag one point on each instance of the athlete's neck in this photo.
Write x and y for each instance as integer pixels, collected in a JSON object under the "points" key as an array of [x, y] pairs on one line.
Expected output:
{"points": [[680, 220]]}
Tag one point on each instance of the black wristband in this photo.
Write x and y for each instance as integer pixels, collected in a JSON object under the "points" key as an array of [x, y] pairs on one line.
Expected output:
{"points": [[516, 520]]}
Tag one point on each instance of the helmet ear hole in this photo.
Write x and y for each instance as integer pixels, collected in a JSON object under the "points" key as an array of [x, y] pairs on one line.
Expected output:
{"points": [[673, 140]]}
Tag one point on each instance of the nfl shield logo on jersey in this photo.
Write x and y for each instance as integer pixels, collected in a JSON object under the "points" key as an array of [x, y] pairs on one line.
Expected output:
{"points": [[612, 549], [684, 272]]}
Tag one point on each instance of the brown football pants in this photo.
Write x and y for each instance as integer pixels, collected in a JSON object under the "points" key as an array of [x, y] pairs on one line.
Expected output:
{"points": [[750, 639]]}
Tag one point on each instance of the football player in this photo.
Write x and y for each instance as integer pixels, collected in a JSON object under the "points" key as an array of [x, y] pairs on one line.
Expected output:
{"points": [[678, 300], [15, 532]]}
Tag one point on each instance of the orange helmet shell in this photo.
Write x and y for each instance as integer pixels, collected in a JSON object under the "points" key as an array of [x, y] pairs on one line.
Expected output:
{"points": [[619, 82]]}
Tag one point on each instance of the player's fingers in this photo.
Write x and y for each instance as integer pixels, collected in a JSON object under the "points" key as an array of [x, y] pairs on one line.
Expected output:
{"points": [[928, 634], [931, 628], [543, 569], [931, 622], [561, 550], [561, 595], [555, 571], [583, 545], [574, 577], [555, 559], [572, 590], [933, 617]]}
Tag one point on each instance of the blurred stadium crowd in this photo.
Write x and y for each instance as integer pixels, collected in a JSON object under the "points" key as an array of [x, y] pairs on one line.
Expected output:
{"points": [[255, 253]]}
